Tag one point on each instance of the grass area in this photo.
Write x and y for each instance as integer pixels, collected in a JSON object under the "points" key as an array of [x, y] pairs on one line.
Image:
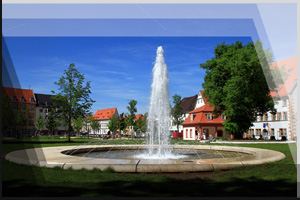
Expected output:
{"points": [[269, 179]]}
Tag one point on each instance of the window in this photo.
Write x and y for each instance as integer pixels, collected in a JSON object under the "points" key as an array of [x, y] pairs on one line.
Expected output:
{"points": [[31, 115], [31, 99], [186, 133], [23, 107], [190, 133], [284, 115], [258, 132], [23, 99], [279, 116], [272, 132], [15, 98], [208, 116], [31, 107], [261, 118], [282, 132], [15, 106], [273, 117], [284, 103], [266, 117], [223, 117]]}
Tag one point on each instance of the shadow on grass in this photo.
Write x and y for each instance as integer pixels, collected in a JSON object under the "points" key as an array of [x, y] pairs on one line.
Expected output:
{"points": [[167, 187], [42, 142]]}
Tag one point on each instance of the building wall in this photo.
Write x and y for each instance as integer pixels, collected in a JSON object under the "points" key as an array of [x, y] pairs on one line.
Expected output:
{"points": [[189, 133], [277, 125], [44, 112]]}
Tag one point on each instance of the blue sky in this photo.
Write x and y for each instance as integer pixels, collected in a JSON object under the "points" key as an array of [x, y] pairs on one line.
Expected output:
{"points": [[119, 68]]}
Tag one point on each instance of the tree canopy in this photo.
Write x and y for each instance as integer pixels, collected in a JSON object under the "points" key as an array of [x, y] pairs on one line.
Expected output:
{"points": [[238, 83], [177, 111], [131, 116], [74, 98]]}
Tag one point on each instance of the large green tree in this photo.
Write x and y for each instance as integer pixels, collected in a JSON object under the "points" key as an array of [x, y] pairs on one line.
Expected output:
{"points": [[238, 83], [74, 97], [177, 111], [131, 116]]}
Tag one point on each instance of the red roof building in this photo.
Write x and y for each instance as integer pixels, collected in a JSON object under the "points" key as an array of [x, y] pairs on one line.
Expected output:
{"points": [[201, 122], [22, 100], [104, 114]]}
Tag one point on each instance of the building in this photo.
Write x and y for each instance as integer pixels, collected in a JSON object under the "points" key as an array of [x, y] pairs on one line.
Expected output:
{"points": [[43, 107], [201, 121], [283, 123], [21, 100], [103, 117]]}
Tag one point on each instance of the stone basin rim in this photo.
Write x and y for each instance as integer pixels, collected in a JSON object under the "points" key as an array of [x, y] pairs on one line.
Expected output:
{"points": [[53, 157]]}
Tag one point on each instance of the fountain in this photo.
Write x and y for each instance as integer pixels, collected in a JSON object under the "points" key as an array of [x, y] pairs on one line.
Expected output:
{"points": [[157, 155]]}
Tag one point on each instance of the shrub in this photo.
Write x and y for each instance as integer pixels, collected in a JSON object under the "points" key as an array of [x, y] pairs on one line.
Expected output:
{"points": [[109, 170], [283, 138], [272, 138]]}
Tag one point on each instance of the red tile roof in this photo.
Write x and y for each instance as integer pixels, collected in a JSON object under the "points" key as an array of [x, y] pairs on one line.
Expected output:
{"points": [[200, 114], [19, 93], [138, 116], [291, 67], [104, 114]]}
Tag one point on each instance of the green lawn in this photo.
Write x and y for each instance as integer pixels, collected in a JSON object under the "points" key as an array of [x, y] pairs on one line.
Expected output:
{"points": [[270, 179]]}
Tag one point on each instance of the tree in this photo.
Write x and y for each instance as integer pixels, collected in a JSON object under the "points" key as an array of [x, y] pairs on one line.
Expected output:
{"points": [[52, 121], [131, 116], [95, 125], [238, 83], [78, 124], [144, 123], [121, 124], [40, 123], [112, 125], [73, 99], [177, 111]]}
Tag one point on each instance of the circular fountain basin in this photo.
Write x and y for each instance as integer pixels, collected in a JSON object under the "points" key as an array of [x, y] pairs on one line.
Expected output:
{"points": [[59, 157]]}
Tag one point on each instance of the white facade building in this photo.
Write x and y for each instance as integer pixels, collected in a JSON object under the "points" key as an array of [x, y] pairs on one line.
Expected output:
{"points": [[103, 116], [283, 123]]}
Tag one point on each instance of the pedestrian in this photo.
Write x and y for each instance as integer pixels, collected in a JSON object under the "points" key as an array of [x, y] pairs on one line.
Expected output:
{"points": [[204, 137], [196, 135]]}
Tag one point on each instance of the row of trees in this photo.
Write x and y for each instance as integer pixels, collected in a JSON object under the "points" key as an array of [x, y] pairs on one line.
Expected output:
{"points": [[128, 121]]}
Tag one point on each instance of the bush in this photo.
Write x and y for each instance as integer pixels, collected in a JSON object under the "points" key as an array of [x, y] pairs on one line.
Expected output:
{"points": [[109, 170], [272, 138], [283, 138]]}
